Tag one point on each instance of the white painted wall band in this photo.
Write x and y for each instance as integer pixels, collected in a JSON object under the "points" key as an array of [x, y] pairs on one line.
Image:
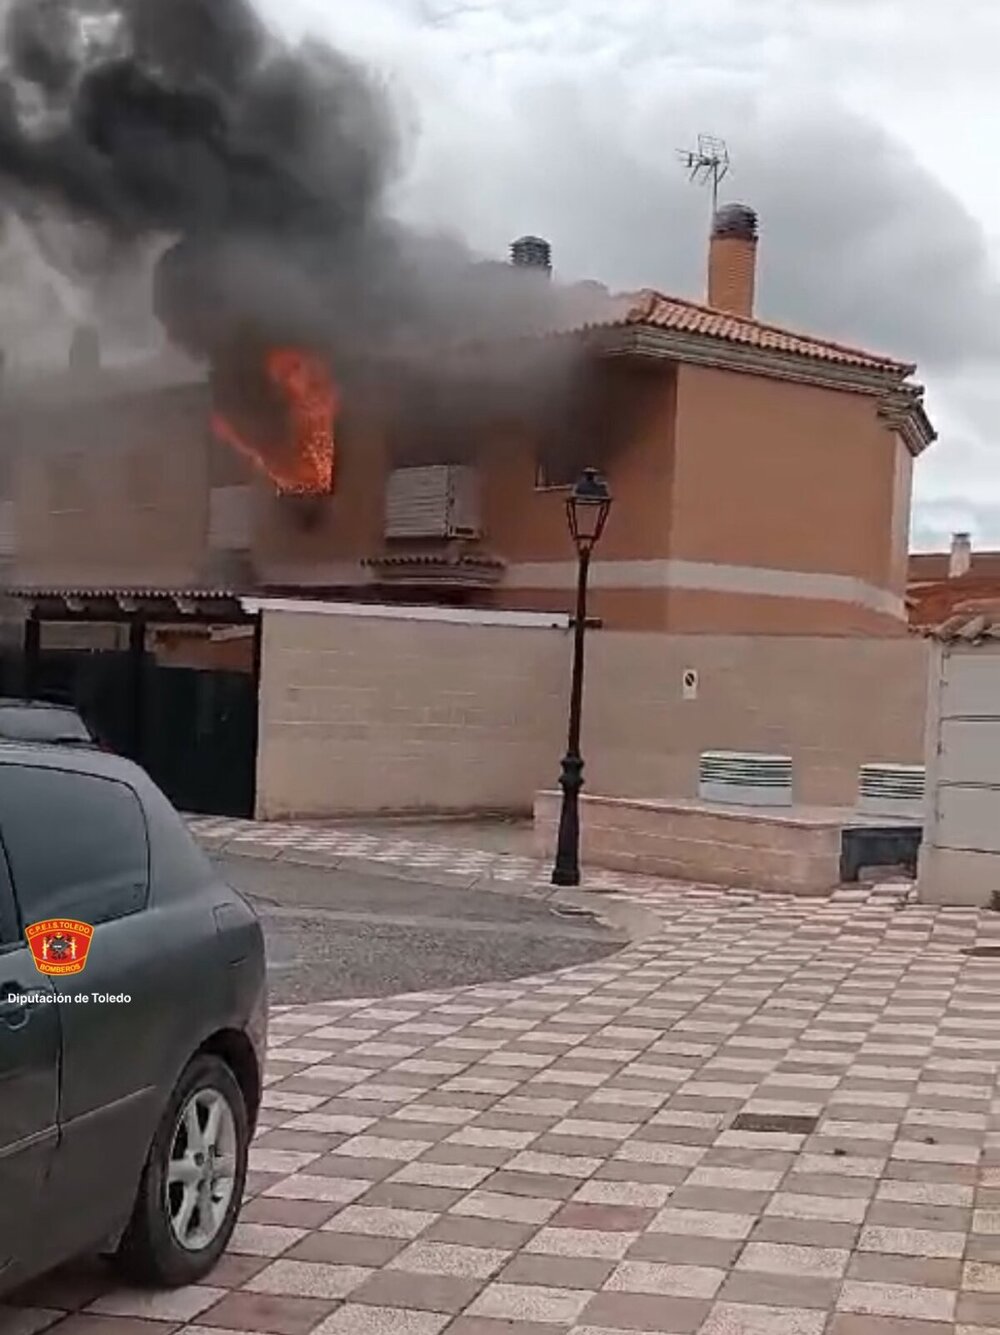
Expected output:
{"points": [[707, 577]]}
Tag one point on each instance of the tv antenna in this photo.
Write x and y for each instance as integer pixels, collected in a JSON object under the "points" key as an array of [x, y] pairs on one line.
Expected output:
{"points": [[708, 164]]}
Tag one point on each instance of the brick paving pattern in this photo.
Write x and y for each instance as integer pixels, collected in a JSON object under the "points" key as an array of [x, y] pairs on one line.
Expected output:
{"points": [[558, 1155], [393, 850]]}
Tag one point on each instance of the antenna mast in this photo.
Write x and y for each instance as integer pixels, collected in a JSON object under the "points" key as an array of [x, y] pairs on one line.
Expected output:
{"points": [[708, 164]]}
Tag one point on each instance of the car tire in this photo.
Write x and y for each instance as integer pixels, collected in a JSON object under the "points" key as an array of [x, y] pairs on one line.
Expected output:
{"points": [[167, 1242]]}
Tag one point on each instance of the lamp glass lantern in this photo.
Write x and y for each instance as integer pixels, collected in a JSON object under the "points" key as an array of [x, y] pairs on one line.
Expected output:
{"points": [[587, 510]]}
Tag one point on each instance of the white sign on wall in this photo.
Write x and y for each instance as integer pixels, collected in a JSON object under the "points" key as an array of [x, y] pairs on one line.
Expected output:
{"points": [[689, 683]]}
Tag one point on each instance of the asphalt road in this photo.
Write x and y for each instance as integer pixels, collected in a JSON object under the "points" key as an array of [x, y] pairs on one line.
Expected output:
{"points": [[333, 934]]}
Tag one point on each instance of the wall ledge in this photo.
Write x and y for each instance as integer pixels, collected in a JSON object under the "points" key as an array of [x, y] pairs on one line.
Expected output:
{"points": [[455, 616]]}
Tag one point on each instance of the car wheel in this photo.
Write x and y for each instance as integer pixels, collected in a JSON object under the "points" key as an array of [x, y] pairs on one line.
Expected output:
{"points": [[192, 1184]]}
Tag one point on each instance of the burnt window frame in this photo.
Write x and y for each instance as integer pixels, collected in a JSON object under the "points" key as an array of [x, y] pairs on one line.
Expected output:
{"points": [[612, 397], [545, 483]]}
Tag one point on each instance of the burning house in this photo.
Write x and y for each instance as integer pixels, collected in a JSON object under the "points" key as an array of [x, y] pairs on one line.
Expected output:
{"points": [[407, 412], [352, 410]]}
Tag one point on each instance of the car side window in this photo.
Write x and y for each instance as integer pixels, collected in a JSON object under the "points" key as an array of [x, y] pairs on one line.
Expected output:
{"points": [[11, 936], [76, 844]]}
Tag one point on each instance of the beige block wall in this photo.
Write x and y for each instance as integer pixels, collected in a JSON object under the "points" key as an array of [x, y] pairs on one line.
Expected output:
{"points": [[795, 852], [365, 715], [831, 703], [362, 714]]}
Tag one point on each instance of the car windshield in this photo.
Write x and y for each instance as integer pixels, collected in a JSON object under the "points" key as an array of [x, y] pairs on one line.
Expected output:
{"points": [[24, 724]]}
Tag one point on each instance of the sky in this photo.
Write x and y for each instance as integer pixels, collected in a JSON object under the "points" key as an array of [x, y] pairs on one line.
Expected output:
{"points": [[863, 131]]}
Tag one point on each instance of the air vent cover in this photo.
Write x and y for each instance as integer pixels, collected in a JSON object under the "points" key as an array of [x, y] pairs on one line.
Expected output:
{"points": [[437, 501], [887, 790], [745, 779]]}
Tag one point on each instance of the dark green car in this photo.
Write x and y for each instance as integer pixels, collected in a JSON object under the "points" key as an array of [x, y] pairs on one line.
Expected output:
{"points": [[132, 1025]]}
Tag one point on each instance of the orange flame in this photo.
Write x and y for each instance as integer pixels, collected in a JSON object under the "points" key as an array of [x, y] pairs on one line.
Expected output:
{"points": [[302, 463]]}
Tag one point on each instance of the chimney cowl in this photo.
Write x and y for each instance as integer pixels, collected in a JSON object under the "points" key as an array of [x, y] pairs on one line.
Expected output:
{"points": [[736, 220], [531, 252], [960, 557]]}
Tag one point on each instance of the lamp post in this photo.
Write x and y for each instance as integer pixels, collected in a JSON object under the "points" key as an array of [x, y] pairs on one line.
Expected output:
{"points": [[587, 511]]}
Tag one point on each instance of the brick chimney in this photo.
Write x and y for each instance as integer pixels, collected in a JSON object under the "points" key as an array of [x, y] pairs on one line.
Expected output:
{"points": [[732, 260], [960, 557]]}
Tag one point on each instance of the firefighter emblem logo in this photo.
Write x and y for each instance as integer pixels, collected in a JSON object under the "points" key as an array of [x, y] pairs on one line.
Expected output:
{"points": [[59, 945]]}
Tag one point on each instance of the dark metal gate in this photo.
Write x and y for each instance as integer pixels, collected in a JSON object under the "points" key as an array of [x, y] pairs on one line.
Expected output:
{"points": [[199, 738], [191, 724]]}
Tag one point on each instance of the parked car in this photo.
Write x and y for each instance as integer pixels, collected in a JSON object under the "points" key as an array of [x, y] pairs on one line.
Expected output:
{"points": [[42, 721], [125, 1118]]}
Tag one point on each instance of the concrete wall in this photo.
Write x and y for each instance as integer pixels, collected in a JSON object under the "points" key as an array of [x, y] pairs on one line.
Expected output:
{"points": [[794, 852], [832, 703], [388, 711], [362, 714]]}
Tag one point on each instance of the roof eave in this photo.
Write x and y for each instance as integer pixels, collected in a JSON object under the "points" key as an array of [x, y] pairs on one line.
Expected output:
{"points": [[904, 411], [901, 406], [705, 349]]}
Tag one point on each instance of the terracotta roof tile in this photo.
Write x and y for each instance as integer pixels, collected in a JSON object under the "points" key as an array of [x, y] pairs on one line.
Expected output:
{"points": [[971, 624], [932, 602], [655, 310]]}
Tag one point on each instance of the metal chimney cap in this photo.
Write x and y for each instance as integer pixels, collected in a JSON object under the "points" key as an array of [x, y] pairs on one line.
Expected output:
{"points": [[531, 252], [736, 220]]}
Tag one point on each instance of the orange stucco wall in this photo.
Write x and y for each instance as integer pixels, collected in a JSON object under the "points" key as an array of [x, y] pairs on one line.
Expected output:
{"points": [[782, 475], [786, 477], [525, 523], [724, 484]]}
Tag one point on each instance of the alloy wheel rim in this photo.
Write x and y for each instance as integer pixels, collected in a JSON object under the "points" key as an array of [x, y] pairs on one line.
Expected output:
{"points": [[201, 1169]]}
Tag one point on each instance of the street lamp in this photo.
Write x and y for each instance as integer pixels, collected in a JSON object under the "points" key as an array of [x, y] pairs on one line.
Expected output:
{"points": [[587, 510]]}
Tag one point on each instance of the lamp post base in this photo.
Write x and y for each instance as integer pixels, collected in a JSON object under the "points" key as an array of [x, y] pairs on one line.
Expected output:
{"points": [[566, 872], [565, 878]]}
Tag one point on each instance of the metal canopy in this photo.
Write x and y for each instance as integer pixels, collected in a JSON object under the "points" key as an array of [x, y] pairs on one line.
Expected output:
{"points": [[125, 605]]}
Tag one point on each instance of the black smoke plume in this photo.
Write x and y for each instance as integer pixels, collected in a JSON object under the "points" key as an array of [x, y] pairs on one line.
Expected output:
{"points": [[263, 166]]}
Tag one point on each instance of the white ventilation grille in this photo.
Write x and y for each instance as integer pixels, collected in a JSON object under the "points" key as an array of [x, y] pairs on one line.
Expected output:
{"points": [[438, 501], [745, 779], [891, 790], [230, 526]]}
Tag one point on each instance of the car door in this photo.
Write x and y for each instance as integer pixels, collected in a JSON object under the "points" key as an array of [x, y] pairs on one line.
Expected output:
{"points": [[78, 849], [29, 1085]]}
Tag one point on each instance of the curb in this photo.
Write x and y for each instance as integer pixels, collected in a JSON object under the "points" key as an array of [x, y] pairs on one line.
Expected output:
{"points": [[607, 907], [395, 871]]}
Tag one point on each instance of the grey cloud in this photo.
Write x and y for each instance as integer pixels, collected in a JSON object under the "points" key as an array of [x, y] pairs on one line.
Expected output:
{"points": [[858, 240]]}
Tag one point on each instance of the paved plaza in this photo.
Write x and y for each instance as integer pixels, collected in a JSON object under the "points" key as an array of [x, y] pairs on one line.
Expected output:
{"points": [[768, 1117]]}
